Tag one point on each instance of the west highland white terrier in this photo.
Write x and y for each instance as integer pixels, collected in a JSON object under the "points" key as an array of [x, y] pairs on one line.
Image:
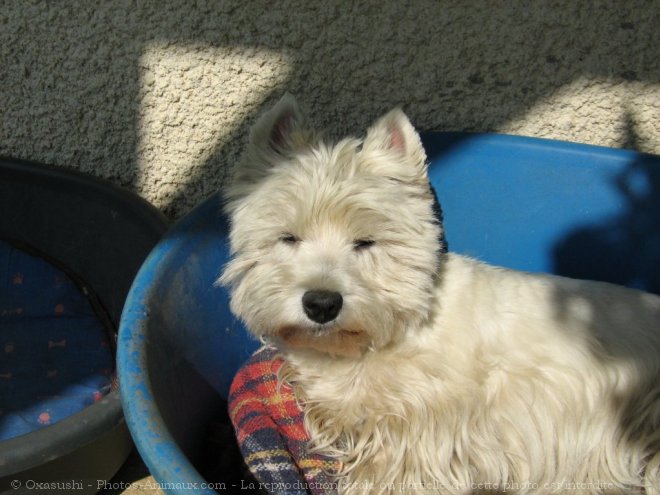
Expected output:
{"points": [[425, 371]]}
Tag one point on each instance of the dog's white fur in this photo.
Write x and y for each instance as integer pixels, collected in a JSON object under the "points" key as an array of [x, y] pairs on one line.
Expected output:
{"points": [[440, 373]]}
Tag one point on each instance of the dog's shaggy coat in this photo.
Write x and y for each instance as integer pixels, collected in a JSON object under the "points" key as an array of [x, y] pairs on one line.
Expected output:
{"points": [[439, 374]]}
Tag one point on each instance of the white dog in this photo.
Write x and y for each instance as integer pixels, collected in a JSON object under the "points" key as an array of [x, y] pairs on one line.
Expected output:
{"points": [[428, 372]]}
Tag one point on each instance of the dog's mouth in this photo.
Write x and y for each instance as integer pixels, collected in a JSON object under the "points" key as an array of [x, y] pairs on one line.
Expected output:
{"points": [[329, 339]]}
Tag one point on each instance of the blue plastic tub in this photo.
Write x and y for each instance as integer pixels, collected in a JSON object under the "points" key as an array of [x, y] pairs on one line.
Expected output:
{"points": [[529, 204]]}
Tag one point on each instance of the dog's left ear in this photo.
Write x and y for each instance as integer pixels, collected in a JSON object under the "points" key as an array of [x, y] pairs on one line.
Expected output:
{"points": [[394, 134]]}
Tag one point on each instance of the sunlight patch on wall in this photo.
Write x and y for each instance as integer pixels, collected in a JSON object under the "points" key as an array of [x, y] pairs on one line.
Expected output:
{"points": [[193, 101], [595, 111]]}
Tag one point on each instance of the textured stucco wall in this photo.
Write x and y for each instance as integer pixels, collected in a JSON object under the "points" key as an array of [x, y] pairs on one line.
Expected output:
{"points": [[157, 95]]}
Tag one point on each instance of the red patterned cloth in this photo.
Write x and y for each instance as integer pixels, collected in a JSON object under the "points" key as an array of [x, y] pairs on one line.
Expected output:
{"points": [[270, 431]]}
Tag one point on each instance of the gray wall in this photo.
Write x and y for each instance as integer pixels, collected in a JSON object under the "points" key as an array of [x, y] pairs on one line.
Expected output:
{"points": [[158, 95]]}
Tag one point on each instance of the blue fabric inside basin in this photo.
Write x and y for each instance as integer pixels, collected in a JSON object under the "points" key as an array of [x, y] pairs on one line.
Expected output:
{"points": [[55, 348]]}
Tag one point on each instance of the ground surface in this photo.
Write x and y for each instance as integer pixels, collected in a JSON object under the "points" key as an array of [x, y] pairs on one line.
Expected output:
{"points": [[132, 479]]}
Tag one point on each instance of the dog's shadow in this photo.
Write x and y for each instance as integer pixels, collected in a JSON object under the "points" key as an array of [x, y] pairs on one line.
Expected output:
{"points": [[624, 249]]}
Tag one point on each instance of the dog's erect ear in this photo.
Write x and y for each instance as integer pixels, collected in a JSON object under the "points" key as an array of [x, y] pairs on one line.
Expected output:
{"points": [[393, 133], [278, 133], [282, 129]]}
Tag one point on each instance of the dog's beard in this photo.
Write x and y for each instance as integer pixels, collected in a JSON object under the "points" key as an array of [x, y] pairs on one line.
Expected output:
{"points": [[328, 338]]}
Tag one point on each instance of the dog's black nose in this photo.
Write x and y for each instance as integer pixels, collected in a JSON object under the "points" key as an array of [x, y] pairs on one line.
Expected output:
{"points": [[322, 306]]}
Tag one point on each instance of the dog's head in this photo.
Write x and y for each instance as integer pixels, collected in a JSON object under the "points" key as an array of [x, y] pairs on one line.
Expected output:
{"points": [[334, 247]]}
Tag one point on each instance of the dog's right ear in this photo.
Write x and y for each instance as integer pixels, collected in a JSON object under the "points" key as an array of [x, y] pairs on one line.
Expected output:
{"points": [[278, 134], [281, 130]]}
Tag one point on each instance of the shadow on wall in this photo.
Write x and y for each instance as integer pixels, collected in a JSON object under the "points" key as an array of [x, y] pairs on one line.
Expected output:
{"points": [[624, 249], [73, 83]]}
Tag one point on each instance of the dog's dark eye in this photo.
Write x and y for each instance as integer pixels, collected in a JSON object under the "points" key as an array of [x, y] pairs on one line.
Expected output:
{"points": [[289, 238], [361, 244]]}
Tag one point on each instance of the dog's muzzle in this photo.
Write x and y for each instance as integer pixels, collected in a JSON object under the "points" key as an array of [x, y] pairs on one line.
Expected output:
{"points": [[322, 306]]}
